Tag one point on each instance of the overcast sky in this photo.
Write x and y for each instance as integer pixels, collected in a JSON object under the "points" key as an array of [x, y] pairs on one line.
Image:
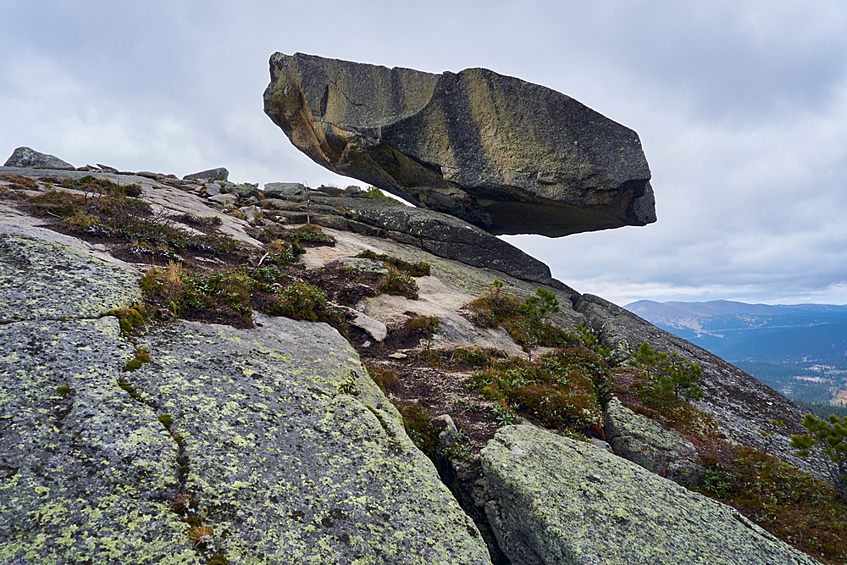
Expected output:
{"points": [[741, 107]]}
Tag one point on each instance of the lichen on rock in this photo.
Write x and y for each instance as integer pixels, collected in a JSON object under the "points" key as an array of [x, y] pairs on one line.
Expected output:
{"points": [[562, 501]]}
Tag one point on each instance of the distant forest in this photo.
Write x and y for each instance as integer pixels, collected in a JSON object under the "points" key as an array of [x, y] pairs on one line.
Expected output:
{"points": [[781, 378], [824, 410]]}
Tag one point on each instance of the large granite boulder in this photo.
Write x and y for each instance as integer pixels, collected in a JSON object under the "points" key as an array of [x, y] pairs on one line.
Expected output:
{"points": [[562, 501], [27, 158], [647, 443], [503, 154], [268, 445]]}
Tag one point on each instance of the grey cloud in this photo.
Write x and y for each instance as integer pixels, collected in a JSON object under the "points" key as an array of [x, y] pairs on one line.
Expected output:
{"points": [[741, 107]]}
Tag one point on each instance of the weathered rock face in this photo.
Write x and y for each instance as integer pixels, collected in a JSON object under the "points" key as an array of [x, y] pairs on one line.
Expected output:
{"points": [[503, 154], [275, 438], [741, 405], [645, 442], [212, 174], [31, 159], [563, 501]]}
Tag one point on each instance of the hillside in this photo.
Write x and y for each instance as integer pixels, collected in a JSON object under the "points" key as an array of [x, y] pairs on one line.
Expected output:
{"points": [[171, 399]]}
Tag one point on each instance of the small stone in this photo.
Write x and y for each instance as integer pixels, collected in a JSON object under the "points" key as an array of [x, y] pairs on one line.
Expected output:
{"points": [[212, 188], [148, 175], [398, 355], [251, 212], [107, 168], [366, 268]]}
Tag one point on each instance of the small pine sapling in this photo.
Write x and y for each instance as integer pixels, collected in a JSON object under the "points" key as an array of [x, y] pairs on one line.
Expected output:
{"points": [[541, 305], [669, 372], [831, 436]]}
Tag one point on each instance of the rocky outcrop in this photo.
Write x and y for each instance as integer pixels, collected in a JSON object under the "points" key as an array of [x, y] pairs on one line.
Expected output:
{"points": [[212, 174], [274, 438], [25, 157], [444, 236], [269, 443], [503, 154], [645, 442], [562, 501]]}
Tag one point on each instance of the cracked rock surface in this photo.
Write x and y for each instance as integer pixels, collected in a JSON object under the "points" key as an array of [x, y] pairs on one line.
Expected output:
{"points": [[562, 501], [286, 449]]}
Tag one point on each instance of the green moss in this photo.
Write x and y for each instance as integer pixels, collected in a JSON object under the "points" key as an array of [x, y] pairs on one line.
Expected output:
{"points": [[130, 319], [166, 420], [141, 357], [421, 431], [217, 559], [63, 390]]}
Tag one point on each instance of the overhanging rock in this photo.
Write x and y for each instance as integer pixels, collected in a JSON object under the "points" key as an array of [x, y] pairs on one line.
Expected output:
{"points": [[503, 154]]}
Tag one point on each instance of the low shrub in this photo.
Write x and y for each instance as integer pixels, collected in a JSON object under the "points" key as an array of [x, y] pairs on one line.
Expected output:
{"points": [[398, 283], [558, 389], [524, 321], [423, 325], [668, 372], [311, 233], [385, 379], [419, 269]]}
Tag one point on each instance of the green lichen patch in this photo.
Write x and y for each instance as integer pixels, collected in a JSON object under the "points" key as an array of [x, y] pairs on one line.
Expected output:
{"points": [[286, 462], [93, 467], [42, 280], [563, 501]]}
